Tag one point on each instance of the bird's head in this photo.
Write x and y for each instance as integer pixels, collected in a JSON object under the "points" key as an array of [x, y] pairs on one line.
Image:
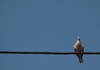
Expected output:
{"points": [[78, 37]]}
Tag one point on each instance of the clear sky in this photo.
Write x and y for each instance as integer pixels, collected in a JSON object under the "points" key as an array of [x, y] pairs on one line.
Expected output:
{"points": [[49, 25]]}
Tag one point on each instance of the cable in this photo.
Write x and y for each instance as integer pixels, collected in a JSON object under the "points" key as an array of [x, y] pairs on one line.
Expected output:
{"points": [[51, 53]]}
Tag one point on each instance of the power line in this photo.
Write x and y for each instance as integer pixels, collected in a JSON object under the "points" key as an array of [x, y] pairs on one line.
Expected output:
{"points": [[48, 53]]}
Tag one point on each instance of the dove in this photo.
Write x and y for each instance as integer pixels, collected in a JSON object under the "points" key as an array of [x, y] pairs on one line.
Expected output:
{"points": [[79, 48]]}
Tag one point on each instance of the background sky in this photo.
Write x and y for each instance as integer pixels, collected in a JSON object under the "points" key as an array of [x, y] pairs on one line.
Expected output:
{"points": [[49, 25]]}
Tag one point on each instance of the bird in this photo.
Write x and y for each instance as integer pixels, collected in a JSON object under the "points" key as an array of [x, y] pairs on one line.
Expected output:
{"points": [[79, 48]]}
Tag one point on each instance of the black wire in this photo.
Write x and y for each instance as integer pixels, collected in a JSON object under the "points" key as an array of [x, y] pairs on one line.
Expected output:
{"points": [[51, 53]]}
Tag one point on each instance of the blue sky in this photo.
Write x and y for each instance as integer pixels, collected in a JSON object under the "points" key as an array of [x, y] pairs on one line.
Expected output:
{"points": [[49, 25]]}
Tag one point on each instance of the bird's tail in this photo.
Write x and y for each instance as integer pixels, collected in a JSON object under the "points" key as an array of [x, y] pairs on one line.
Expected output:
{"points": [[81, 60]]}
